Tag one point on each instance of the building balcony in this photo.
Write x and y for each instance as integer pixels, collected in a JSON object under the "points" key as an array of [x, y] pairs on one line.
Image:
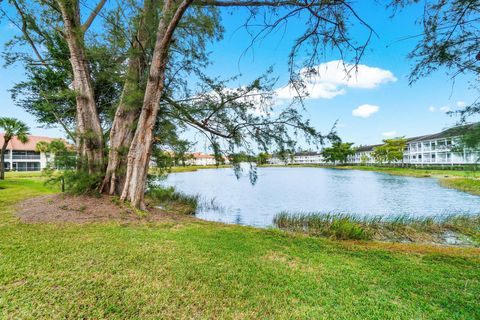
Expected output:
{"points": [[26, 157]]}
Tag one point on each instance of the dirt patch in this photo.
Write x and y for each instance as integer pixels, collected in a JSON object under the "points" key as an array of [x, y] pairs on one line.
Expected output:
{"points": [[82, 209]]}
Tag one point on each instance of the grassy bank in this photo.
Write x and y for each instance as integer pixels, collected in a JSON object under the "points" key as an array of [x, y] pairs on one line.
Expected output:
{"points": [[450, 229], [195, 269]]}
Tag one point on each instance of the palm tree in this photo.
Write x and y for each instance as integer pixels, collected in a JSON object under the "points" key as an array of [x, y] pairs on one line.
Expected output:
{"points": [[43, 146], [12, 128]]}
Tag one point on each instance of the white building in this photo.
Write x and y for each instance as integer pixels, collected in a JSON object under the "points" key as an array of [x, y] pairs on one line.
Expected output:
{"points": [[435, 149], [307, 157], [438, 149], [23, 156], [203, 159], [304, 157], [363, 155]]}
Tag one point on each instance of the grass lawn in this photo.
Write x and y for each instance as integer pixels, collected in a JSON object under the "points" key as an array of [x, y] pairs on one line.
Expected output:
{"points": [[195, 269]]}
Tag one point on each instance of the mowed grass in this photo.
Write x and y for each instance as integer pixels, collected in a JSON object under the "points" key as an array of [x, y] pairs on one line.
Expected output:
{"points": [[201, 270]]}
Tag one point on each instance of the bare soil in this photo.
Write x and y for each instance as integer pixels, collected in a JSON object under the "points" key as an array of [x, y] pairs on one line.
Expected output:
{"points": [[84, 209]]}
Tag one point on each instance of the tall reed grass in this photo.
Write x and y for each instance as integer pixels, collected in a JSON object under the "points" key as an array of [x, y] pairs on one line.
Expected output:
{"points": [[401, 228], [184, 203]]}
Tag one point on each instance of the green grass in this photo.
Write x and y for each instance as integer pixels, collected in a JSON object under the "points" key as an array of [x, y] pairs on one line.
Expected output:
{"points": [[464, 184], [384, 228], [28, 174], [194, 269]]}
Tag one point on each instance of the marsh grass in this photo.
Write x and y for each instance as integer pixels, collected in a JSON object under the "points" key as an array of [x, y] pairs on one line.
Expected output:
{"points": [[464, 184], [397, 228], [171, 199]]}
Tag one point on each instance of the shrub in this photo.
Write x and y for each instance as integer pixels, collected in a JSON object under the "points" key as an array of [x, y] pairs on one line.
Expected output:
{"points": [[75, 182]]}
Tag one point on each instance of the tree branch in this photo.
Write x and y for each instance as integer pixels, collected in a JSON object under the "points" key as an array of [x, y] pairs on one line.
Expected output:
{"points": [[93, 15], [192, 120], [261, 3]]}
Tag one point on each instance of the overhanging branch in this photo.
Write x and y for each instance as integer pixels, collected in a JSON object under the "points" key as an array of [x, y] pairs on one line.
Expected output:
{"points": [[93, 15]]}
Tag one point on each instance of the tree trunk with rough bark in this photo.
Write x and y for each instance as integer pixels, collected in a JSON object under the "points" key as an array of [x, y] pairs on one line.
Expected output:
{"points": [[89, 135], [126, 116], [141, 147], [2, 159]]}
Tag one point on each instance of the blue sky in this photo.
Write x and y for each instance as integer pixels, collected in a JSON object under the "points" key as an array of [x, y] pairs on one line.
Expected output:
{"points": [[401, 109]]}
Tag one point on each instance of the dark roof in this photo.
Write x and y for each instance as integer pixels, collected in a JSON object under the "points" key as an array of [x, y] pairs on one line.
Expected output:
{"points": [[307, 153], [451, 132], [367, 148]]}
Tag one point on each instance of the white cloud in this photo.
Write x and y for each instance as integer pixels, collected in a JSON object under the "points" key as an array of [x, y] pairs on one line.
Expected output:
{"points": [[461, 104], [331, 79], [444, 109], [389, 134], [432, 109], [365, 110], [315, 90]]}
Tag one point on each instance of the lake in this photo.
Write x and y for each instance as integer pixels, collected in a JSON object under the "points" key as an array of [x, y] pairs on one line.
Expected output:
{"points": [[316, 190]]}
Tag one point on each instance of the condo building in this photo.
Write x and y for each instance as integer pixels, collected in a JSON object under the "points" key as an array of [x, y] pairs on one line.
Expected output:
{"points": [[435, 149], [23, 156]]}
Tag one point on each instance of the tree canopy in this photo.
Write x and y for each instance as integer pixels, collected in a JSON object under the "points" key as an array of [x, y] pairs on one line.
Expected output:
{"points": [[124, 86], [338, 152], [391, 151]]}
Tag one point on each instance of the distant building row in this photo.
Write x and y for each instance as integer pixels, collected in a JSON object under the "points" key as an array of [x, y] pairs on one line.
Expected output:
{"points": [[433, 149]]}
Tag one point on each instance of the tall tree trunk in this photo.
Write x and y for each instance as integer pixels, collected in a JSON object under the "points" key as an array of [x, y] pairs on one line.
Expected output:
{"points": [[2, 159], [89, 138], [141, 147], [123, 126]]}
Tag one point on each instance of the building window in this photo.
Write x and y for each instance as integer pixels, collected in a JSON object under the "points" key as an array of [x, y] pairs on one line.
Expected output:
{"points": [[26, 166], [6, 154], [25, 155], [6, 166]]}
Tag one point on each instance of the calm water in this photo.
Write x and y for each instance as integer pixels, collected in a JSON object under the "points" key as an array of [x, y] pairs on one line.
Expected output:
{"points": [[315, 189]]}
